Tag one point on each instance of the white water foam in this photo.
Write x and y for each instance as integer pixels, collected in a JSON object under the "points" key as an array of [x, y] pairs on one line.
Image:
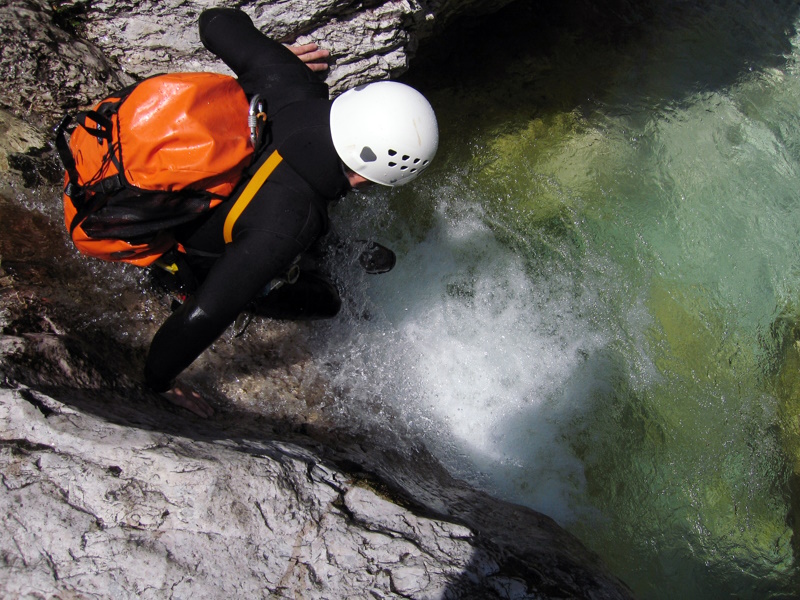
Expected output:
{"points": [[483, 364]]}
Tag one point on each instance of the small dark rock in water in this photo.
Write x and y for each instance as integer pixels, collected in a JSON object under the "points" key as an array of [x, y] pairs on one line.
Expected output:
{"points": [[37, 167]]}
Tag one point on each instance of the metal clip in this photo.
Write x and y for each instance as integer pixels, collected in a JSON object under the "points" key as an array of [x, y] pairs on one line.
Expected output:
{"points": [[255, 113]]}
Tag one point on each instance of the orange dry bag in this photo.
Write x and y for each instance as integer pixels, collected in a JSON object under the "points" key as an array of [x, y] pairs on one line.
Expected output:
{"points": [[148, 158]]}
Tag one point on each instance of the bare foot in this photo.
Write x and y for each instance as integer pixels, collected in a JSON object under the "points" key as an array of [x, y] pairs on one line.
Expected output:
{"points": [[185, 397]]}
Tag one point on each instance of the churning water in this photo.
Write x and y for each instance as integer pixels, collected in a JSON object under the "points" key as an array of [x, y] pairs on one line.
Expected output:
{"points": [[594, 308]]}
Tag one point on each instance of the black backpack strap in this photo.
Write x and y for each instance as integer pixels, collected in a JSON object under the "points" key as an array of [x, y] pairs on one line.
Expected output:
{"points": [[103, 127], [102, 130], [97, 200], [65, 154]]}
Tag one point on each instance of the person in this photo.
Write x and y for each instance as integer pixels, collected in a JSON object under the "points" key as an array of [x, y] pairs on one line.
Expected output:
{"points": [[383, 132]]}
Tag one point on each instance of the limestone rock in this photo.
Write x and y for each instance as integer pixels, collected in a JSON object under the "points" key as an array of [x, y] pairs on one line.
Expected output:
{"points": [[97, 510], [368, 40], [49, 69], [70, 53]]}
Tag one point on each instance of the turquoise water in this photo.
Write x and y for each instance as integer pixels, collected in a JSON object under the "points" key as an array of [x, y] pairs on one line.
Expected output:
{"points": [[594, 307]]}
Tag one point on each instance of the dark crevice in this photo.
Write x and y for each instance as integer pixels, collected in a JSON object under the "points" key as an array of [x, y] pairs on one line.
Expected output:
{"points": [[70, 16]]}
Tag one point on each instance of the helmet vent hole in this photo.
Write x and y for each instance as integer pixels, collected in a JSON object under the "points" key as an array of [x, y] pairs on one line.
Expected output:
{"points": [[416, 160], [392, 152], [367, 155], [406, 157], [392, 164], [403, 168]]}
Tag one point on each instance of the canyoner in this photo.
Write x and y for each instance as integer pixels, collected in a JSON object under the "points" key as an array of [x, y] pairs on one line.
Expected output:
{"points": [[226, 183]]}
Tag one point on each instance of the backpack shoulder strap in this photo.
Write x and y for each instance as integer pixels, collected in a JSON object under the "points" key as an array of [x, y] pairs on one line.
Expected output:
{"points": [[255, 183], [102, 130], [65, 154]]}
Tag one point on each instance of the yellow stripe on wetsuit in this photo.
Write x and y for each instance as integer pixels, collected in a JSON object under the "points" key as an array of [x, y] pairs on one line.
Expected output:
{"points": [[264, 171]]}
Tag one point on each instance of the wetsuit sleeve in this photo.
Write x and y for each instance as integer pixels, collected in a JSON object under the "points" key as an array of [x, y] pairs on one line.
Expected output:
{"points": [[266, 238], [262, 65]]}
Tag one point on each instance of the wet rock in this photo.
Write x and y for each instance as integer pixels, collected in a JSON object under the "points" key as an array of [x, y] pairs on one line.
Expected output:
{"points": [[25, 151], [36, 167], [51, 69], [17, 137]]}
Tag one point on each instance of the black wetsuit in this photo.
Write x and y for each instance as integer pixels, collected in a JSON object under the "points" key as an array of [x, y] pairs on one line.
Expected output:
{"points": [[286, 216]]}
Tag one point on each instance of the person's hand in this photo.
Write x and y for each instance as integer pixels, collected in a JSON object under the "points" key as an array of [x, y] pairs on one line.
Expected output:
{"points": [[312, 55], [185, 397]]}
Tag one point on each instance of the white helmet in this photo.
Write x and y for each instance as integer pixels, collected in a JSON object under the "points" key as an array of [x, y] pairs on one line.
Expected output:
{"points": [[384, 131]]}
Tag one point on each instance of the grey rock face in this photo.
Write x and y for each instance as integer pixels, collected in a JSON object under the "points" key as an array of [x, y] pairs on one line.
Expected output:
{"points": [[16, 137], [71, 53], [368, 40], [45, 69], [159, 36], [101, 510]]}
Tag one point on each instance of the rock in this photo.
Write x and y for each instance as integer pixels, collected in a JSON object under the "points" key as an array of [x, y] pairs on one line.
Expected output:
{"points": [[95, 509], [16, 137], [24, 149], [154, 37], [123, 512], [368, 41], [51, 69], [71, 53]]}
